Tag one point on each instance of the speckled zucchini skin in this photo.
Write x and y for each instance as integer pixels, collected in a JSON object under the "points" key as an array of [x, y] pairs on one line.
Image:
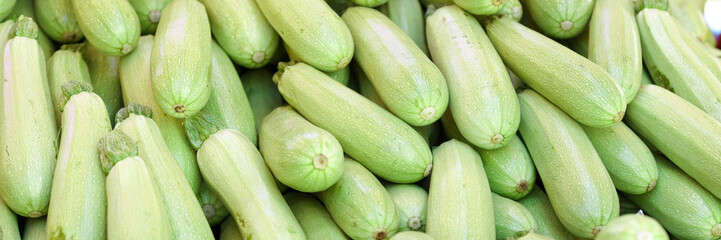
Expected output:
{"points": [[633, 227], [509, 169], [57, 19], [546, 219], [149, 13], [561, 18], [512, 219], [112, 26]]}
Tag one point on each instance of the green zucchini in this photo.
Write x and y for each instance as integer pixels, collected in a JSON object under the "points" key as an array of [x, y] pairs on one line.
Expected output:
{"points": [[482, 100], [301, 155], [181, 60], [360, 205], [481, 7], [243, 32], [512, 219], [408, 15], [149, 13], [213, 208], [342, 76], [103, 70], [579, 44], [412, 204], [626, 158], [681, 205], [135, 80], [365, 131], [450, 128], [229, 230], [365, 88], [561, 18], [27, 128], [315, 220], [77, 207], [27, 9], [512, 8], [411, 235], [692, 18], [703, 52], [339, 6], [509, 169], [112, 26], [685, 134], [657, 4], [6, 7], [187, 220], [546, 219], [534, 236], [408, 82], [460, 205], [633, 227], [646, 78], [627, 207], [426, 3], [545, 66], [135, 209], [370, 3], [320, 39], [34, 229], [57, 19], [8, 223], [262, 94], [65, 65], [578, 185]]}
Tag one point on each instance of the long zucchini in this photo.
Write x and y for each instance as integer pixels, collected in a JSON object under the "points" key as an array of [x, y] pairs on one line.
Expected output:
{"points": [[633, 227], [57, 19], [546, 219], [112, 26], [65, 65], [149, 13], [212, 206], [316, 221], [412, 204], [103, 70], [510, 169]]}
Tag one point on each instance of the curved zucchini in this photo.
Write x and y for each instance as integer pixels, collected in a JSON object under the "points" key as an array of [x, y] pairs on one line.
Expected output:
{"points": [[633, 227], [360, 205], [112, 26], [546, 219], [408, 15], [545, 66], [561, 19], [384, 144], [34, 229], [57, 19], [411, 235], [408, 82], [512, 219], [103, 70], [316, 221], [262, 94], [510, 169], [77, 207], [149, 13], [213, 208], [27, 128], [65, 65], [481, 7], [692, 18], [8, 223], [580, 189], [181, 60], [704, 53], [135, 80], [301, 155], [320, 39], [482, 100], [412, 204], [460, 205]]}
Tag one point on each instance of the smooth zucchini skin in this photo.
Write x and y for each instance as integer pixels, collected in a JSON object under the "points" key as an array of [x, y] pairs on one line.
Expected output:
{"points": [[408, 15], [149, 13], [681, 205], [34, 229], [633, 227], [360, 205], [685, 134], [212, 206], [561, 18], [316, 221], [578, 185], [546, 66], [482, 100], [509, 169], [412, 204], [65, 65], [262, 93], [481, 7], [412, 87], [460, 205], [181, 60], [512, 219], [112, 26], [411, 235], [546, 219], [57, 19], [8, 223], [364, 130], [103, 70], [312, 30]]}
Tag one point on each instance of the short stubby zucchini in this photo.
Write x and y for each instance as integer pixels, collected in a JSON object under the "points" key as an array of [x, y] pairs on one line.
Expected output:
{"points": [[103, 70], [65, 65], [561, 19], [57, 19], [112, 26], [412, 204], [512, 219], [408, 15], [481, 7], [633, 227], [546, 219], [212, 206], [9, 223], [262, 94], [316, 221], [149, 13], [509, 169]]}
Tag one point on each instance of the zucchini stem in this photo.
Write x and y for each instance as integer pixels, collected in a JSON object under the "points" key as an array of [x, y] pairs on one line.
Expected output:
{"points": [[113, 147], [200, 126], [133, 108], [24, 27], [71, 88]]}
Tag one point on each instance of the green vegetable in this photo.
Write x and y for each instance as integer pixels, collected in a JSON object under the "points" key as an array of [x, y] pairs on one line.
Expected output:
{"points": [[692, 18], [229, 230], [512, 219], [8, 223], [408, 15], [633, 227], [561, 18], [411, 202], [149, 13], [546, 219], [262, 94], [510, 169], [317, 223], [27, 9], [534, 236], [342, 76], [627, 207], [112, 26], [481, 7], [411, 235], [34, 229], [65, 65], [370, 3], [6, 7], [103, 70], [57, 20], [213, 208]]}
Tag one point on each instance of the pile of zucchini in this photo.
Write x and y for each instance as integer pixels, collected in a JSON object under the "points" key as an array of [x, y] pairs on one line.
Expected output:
{"points": [[359, 119]]}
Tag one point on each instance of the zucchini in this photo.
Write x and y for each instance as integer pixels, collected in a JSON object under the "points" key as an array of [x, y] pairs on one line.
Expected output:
{"points": [[213, 208], [57, 19], [513, 8], [342, 76], [450, 128], [301, 155], [703, 52], [135, 209], [546, 219], [482, 100], [579, 187], [27, 128], [77, 207], [243, 32], [617, 49], [460, 205], [696, 215], [657, 4], [408, 15], [111, 26], [545, 66], [512, 219], [65, 65], [534, 236], [135, 80], [8, 223], [6, 7], [360, 205], [633, 227], [149, 13], [692, 18], [366, 89], [579, 44], [646, 78], [26, 8], [626, 158], [370, 3], [426, 3], [561, 19], [262, 94], [685, 134], [320, 39], [229, 230], [411, 235], [408, 82], [316, 221], [481, 7], [509, 169], [339, 6], [364, 130], [34, 229], [627, 207], [103, 70], [187, 220], [411, 203], [181, 60]]}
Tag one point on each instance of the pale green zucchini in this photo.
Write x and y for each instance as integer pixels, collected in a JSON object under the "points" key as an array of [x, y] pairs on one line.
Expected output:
{"points": [[103, 70], [365, 131], [512, 219], [181, 60], [512, 8], [34, 229], [692, 18], [426, 3], [27, 9], [482, 100], [65, 65], [681, 205], [411, 235], [481, 7], [646, 78], [360, 205], [365, 88], [149, 13], [657, 4], [546, 219], [412, 204], [6, 7], [27, 128], [370, 3], [408, 15], [546, 66], [561, 18], [684, 133], [534, 236], [627, 207], [509, 169], [262, 94], [615, 45], [703, 52], [342, 76], [77, 207], [58, 21], [579, 44], [315, 220], [460, 205], [301, 155], [8, 223], [320, 39], [229, 230], [135, 80], [633, 227], [213, 208], [112, 26], [408, 82], [241, 29], [578, 185]]}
